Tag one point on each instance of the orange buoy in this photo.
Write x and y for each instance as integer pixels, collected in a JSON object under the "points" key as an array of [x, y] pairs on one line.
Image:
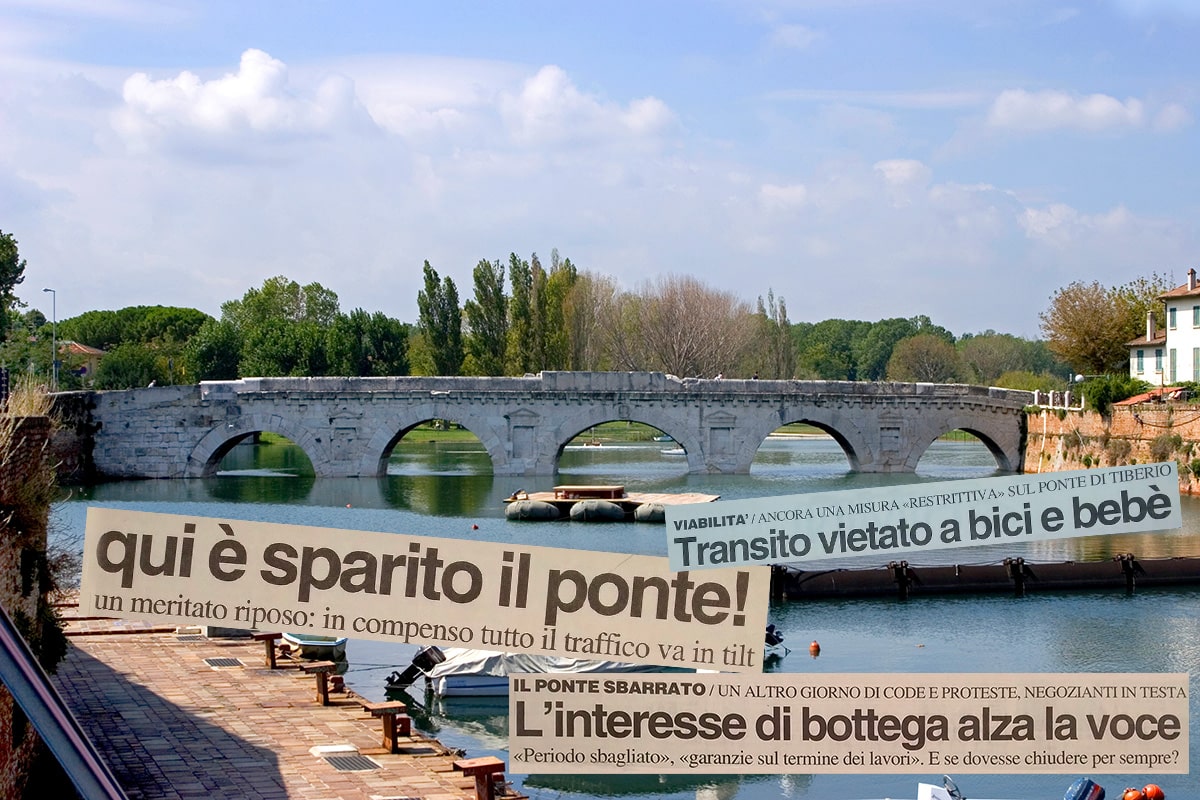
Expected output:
{"points": [[474, 527], [347, 505], [1152, 791], [1133, 794], [814, 648]]}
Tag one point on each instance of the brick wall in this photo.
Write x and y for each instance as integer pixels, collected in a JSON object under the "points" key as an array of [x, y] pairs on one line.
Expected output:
{"points": [[1141, 434]]}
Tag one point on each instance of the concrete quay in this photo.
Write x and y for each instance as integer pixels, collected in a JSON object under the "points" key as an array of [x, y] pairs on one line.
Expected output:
{"points": [[171, 726]]}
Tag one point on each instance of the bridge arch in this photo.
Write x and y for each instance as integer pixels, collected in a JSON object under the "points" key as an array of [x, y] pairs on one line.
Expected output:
{"points": [[847, 435], [206, 456], [577, 422], [394, 427], [997, 436]]}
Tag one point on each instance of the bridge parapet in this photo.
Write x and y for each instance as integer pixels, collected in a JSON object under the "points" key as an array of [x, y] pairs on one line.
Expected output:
{"points": [[585, 382]]}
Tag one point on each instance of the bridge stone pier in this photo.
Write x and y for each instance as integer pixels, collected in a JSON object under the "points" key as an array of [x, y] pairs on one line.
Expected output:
{"points": [[348, 426]]}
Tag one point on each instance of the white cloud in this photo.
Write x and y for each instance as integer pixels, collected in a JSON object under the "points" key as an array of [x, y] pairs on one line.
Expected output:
{"points": [[1172, 117], [549, 109], [1017, 109], [256, 100], [1062, 226], [905, 179], [903, 171]]}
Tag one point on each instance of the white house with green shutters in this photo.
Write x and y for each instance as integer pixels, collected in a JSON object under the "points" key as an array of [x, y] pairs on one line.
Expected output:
{"points": [[1171, 355]]}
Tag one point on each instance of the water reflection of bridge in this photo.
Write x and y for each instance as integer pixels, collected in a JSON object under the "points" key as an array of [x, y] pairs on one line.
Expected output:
{"points": [[348, 426]]}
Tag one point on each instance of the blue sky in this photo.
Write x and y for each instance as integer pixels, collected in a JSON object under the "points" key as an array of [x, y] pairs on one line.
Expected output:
{"points": [[861, 159]]}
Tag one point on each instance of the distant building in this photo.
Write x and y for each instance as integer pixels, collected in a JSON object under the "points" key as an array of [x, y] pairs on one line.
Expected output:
{"points": [[87, 358], [1172, 355]]}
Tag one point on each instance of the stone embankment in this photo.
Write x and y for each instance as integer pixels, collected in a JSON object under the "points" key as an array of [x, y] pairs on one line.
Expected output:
{"points": [[1066, 439]]}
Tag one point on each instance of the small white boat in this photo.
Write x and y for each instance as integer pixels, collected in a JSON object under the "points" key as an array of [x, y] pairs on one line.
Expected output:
{"points": [[316, 648], [484, 673], [674, 451], [464, 672]]}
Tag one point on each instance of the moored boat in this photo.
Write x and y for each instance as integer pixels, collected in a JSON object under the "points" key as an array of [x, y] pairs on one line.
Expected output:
{"points": [[316, 648], [466, 672]]}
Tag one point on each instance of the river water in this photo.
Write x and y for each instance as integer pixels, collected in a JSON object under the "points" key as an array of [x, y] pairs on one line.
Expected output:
{"points": [[448, 490]]}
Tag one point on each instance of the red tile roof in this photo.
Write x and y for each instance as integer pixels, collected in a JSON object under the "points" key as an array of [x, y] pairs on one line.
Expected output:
{"points": [[75, 348]]}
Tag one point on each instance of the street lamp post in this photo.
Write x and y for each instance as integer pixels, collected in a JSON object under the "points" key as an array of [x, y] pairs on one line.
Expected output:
{"points": [[53, 339]]}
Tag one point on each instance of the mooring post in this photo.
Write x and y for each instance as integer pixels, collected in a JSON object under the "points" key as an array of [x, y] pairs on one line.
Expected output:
{"points": [[1130, 567], [1016, 571], [900, 575], [778, 583]]}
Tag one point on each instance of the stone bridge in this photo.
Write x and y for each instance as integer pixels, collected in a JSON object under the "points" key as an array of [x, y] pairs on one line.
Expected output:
{"points": [[348, 426]]}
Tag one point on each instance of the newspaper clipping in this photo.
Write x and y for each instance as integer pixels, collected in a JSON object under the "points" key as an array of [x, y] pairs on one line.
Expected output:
{"points": [[849, 723], [899, 521], [391, 587]]}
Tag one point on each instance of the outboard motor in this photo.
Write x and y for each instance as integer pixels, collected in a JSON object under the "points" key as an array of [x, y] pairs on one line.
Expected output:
{"points": [[425, 659], [1084, 789]]}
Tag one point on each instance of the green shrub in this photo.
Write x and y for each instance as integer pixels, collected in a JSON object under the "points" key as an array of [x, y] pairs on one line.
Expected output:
{"points": [[1102, 391]]}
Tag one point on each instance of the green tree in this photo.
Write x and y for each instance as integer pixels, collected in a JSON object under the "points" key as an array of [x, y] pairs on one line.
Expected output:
{"points": [[825, 350], [1089, 325], [164, 330], [128, 366], [440, 322], [284, 299], [553, 298], [282, 328], [873, 350], [164, 326], [773, 355], [362, 344], [1102, 391], [103, 330], [519, 355], [924, 358], [988, 355], [278, 347], [213, 353], [487, 321], [12, 273]]}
